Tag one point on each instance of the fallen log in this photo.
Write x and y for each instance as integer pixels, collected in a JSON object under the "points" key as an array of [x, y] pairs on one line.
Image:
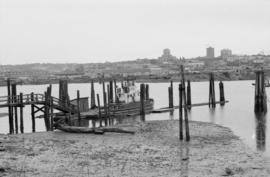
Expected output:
{"points": [[101, 130]]}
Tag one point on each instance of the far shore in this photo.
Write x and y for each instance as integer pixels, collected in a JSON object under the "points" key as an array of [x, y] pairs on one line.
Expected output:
{"points": [[154, 150]]}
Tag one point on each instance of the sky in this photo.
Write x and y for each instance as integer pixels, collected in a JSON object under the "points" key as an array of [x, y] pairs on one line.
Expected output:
{"points": [[86, 31]]}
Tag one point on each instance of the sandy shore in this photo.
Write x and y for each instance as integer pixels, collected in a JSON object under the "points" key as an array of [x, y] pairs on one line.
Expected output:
{"points": [[154, 150]]}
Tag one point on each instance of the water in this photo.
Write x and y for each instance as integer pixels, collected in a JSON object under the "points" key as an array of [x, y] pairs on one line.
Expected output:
{"points": [[238, 114]]}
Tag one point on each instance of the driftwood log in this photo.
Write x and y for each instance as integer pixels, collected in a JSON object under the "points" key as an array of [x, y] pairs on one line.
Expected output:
{"points": [[101, 130]]}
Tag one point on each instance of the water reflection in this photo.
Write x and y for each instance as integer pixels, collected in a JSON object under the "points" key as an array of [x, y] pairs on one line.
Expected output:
{"points": [[260, 131], [171, 117], [212, 114], [184, 159]]}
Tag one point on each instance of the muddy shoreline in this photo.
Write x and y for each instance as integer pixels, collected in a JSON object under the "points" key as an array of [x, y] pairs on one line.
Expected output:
{"points": [[154, 150]]}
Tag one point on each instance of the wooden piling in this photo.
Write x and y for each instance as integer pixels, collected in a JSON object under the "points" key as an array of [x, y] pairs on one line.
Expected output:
{"points": [[260, 105], [172, 93], [51, 111], [15, 110], [46, 111], [104, 97], [212, 98], [180, 112], [33, 113], [78, 107], [170, 97], [185, 104], [21, 113], [188, 95], [115, 89], [99, 111], [110, 92], [221, 93], [10, 112], [93, 101], [147, 92], [108, 104], [142, 98]]}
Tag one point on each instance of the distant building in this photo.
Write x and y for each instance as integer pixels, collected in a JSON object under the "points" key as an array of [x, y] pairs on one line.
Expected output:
{"points": [[210, 52], [225, 53], [166, 56]]}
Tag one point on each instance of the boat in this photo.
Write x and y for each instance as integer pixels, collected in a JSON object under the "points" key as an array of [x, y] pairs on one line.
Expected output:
{"points": [[128, 101], [266, 83]]}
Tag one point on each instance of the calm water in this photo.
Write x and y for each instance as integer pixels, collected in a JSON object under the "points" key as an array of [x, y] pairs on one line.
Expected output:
{"points": [[238, 114]]}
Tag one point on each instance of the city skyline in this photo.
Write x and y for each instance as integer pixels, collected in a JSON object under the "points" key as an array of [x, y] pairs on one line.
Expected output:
{"points": [[99, 31]]}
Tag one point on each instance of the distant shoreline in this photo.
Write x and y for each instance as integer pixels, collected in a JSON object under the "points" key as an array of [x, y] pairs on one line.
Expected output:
{"points": [[137, 80]]}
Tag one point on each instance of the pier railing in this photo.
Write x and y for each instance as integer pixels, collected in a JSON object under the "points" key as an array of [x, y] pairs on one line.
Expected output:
{"points": [[27, 99]]}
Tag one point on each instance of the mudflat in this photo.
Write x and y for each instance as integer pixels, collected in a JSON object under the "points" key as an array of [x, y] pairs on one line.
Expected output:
{"points": [[154, 150]]}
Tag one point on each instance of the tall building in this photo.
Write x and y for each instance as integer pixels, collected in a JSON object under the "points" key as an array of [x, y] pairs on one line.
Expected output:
{"points": [[210, 52], [167, 55], [225, 53]]}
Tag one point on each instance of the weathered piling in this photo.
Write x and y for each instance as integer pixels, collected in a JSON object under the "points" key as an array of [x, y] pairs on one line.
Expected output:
{"points": [[63, 92], [170, 97], [99, 111], [185, 104], [170, 94], [21, 113], [78, 107], [110, 92], [108, 105], [142, 98], [33, 113], [260, 105], [147, 92], [180, 112], [115, 92], [188, 95], [212, 98], [104, 97], [10, 111], [93, 101], [14, 101], [221, 93]]}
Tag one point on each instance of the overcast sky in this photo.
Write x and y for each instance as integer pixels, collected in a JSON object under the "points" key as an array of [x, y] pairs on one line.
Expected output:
{"points": [[83, 31]]}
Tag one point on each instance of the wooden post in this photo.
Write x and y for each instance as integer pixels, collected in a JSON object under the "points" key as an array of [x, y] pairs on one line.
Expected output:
{"points": [[188, 95], [180, 112], [21, 113], [185, 104], [99, 111], [10, 112], [147, 92], [170, 97], [46, 111], [33, 113], [105, 109], [14, 101], [110, 92], [108, 104], [104, 96], [115, 87], [221, 93], [142, 98], [212, 99], [78, 107], [260, 105], [48, 108], [93, 101], [172, 94], [51, 115]]}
